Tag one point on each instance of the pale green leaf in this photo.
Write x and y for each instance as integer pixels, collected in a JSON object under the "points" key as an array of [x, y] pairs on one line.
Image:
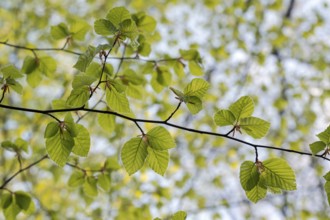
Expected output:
{"points": [[163, 76], [128, 29], [11, 211], [317, 147], [10, 71], [47, 65], [327, 190], [180, 215], [107, 122], [193, 103], [160, 139], [118, 15], [90, 186], [255, 127], [146, 23], [59, 147], [325, 135], [179, 94], [256, 193], [83, 79], [158, 160], [112, 164], [30, 64], [78, 97], [59, 31], [249, 175], [327, 176], [34, 78], [197, 87], [278, 173], [70, 125], [82, 142], [134, 154], [14, 85], [85, 59], [224, 117], [195, 69], [104, 181], [117, 102], [242, 108], [79, 28], [76, 179], [52, 129], [104, 27]]}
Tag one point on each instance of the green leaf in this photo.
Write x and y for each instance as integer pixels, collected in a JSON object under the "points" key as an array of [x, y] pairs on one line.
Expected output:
{"points": [[78, 97], [76, 179], [327, 190], [14, 85], [79, 28], [327, 176], [160, 139], [179, 94], [224, 117], [145, 22], [249, 175], [21, 144], [59, 147], [107, 122], [195, 69], [83, 80], [10, 71], [128, 29], [257, 193], [117, 101], [82, 142], [158, 160], [6, 200], [104, 27], [242, 108], [59, 31], [52, 129], [279, 174], [11, 211], [325, 136], [70, 126], [134, 154], [163, 76], [193, 103], [135, 91], [104, 181], [23, 200], [255, 127], [317, 146], [30, 64], [47, 65], [197, 87], [85, 59], [180, 215], [191, 54], [90, 186], [112, 164], [118, 15]]}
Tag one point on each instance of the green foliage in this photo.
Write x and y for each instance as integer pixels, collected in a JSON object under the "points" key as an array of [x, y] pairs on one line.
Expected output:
{"points": [[239, 116], [273, 175]]}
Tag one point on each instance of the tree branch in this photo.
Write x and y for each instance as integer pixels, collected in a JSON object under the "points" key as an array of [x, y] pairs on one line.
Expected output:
{"points": [[22, 170], [135, 120]]}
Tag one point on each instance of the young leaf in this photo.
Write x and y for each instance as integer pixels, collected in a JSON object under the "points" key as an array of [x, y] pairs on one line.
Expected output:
{"points": [[193, 103], [104, 27], [52, 129], [30, 64], [47, 65], [118, 15], [158, 160], [180, 215], [10, 71], [160, 139], [128, 29], [327, 176], [70, 125], [255, 127], [76, 179], [59, 31], [242, 108], [145, 22], [104, 181], [6, 200], [327, 190], [256, 193], [59, 147], [163, 76], [195, 69], [82, 141], [317, 146], [107, 122], [14, 85], [90, 186], [197, 87], [78, 29], [11, 211], [83, 80], [224, 117], [325, 135], [134, 154], [249, 175], [279, 174], [23, 200], [178, 93], [117, 101], [85, 59], [78, 97]]}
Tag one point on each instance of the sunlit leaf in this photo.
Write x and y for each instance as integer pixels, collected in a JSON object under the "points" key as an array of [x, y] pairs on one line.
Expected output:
{"points": [[256, 193], [158, 160], [180, 215], [104, 27], [76, 179], [317, 146], [255, 127], [118, 15], [160, 139], [224, 117], [249, 175], [197, 87], [82, 142], [134, 154], [242, 108], [104, 181], [90, 186]]}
